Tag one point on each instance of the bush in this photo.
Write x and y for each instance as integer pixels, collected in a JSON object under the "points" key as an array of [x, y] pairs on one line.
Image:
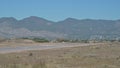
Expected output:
{"points": [[62, 40], [84, 41], [41, 40], [31, 54]]}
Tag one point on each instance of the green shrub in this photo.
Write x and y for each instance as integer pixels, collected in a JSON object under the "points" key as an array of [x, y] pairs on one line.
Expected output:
{"points": [[62, 40], [41, 40]]}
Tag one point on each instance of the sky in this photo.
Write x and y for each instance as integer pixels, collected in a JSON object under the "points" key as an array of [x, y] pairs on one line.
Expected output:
{"points": [[57, 10]]}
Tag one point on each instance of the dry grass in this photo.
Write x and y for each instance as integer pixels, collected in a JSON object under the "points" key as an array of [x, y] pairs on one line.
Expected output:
{"points": [[99, 56]]}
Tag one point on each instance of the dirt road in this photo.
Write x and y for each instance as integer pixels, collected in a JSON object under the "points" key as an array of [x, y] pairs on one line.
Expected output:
{"points": [[8, 49]]}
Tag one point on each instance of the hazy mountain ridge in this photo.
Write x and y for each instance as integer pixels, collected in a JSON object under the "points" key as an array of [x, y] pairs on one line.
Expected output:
{"points": [[68, 28]]}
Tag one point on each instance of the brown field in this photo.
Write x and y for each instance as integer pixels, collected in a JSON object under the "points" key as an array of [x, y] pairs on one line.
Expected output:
{"points": [[105, 55]]}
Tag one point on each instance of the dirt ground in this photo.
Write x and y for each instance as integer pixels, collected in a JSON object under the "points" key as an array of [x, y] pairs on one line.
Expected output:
{"points": [[105, 55]]}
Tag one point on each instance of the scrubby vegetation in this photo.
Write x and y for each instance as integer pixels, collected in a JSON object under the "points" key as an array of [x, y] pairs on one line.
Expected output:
{"points": [[41, 40], [57, 40]]}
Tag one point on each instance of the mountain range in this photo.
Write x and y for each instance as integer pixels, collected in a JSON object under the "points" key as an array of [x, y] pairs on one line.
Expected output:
{"points": [[72, 28]]}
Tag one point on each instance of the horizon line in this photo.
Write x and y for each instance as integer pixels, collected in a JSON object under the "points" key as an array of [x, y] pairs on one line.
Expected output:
{"points": [[58, 20]]}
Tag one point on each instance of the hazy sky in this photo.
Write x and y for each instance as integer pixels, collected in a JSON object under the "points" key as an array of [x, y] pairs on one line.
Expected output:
{"points": [[60, 9]]}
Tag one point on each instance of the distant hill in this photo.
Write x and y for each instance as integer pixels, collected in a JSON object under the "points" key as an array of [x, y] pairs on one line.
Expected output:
{"points": [[69, 28]]}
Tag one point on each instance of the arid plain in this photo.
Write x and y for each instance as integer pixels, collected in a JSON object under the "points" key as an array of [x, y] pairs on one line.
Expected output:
{"points": [[95, 55]]}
